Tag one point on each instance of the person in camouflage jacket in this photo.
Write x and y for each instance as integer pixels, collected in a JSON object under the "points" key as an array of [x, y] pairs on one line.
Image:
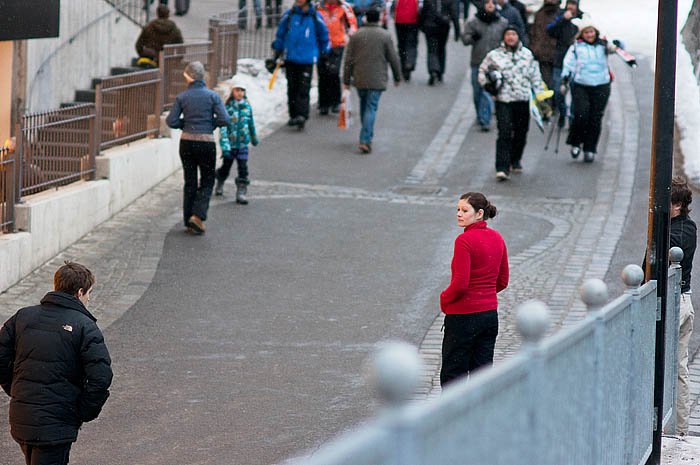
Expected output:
{"points": [[520, 77], [234, 140]]}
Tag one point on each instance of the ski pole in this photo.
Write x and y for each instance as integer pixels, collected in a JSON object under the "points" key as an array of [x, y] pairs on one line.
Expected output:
{"points": [[549, 136], [556, 147]]}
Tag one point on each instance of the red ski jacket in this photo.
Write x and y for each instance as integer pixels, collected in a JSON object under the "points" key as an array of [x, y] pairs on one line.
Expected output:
{"points": [[479, 271]]}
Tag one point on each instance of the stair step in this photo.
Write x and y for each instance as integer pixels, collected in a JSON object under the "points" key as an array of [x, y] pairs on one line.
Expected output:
{"points": [[117, 70], [85, 95]]}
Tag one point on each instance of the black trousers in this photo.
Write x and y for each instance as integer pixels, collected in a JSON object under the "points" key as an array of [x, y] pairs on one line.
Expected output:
{"points": [[436, 42], [468, 344], [407, 38], [329, 92], [588, 103], [513, 120], [223, 172], [298, 88], [46, 455], [198, 165]]}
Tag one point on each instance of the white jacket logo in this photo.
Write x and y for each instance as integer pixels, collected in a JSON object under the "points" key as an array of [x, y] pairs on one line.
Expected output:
{"points": [[68, 328]]}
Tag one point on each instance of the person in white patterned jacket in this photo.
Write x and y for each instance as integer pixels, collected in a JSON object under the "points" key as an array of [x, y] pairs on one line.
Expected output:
{"points": [[515, 68]]}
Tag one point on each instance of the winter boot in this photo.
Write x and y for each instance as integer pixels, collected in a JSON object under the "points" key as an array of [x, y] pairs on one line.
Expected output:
{"points": [[242, 190], [219, 188]]}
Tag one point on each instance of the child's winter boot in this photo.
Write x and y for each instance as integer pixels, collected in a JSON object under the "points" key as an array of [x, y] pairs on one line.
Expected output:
{"points": [[242, 190]]}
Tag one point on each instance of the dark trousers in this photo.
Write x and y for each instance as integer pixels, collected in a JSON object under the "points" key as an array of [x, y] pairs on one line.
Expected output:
{"points": [[46, 455], [436, 50], [407, 38], [468, 344], [298, 88], [546, 71], [588, 103], [223, 172], [329, 78], [198, 165], [513, 122]]}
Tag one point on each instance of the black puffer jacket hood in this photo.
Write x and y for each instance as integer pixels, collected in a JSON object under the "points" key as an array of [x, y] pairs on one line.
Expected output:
{"points": [[55, 366]]}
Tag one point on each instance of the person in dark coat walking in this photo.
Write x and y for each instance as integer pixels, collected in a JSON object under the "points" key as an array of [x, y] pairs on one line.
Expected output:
{"points": [[156, 34], [542, 44], [369, 51], [197, 111], [55, 367], [562, 29], [484, 33], [434, 20]]}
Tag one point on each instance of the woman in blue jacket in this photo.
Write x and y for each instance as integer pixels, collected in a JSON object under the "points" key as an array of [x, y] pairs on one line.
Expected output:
{"points": [[586, 70], [301, 37]]}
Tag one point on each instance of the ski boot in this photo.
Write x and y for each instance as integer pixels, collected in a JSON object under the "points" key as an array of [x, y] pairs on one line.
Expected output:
{"points": [[242, 190]]}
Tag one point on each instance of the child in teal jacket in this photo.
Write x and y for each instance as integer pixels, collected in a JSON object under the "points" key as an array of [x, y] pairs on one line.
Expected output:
{"points": [[234, 141]]}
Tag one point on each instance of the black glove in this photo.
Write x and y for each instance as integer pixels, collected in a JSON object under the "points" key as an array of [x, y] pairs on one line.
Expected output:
{"points": [[476, 36], [618, 44], [323, 56], [270, 64]]}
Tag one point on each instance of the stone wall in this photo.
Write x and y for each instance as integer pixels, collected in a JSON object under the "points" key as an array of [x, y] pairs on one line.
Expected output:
{"points": [[691, 34]]}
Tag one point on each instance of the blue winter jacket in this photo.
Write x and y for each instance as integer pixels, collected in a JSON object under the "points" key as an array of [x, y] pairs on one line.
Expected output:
{"points": [[241, 130], [302, 35], [587, 63], [198, 110]]}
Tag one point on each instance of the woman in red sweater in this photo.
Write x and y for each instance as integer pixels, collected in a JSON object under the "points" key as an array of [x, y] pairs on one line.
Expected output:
{"points": [[479, 271]]}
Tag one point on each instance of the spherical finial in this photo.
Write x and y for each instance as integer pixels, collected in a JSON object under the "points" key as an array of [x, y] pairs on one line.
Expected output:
{"points": [[632, 275], [532, 320], [395, 371], [675, 254], [594, 293]]}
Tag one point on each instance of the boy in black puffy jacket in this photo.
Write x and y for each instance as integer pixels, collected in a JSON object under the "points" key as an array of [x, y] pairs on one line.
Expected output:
{"points": [[55, 367]]}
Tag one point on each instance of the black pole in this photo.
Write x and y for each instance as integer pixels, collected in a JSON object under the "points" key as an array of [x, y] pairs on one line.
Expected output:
{"points": [[660, 196]]}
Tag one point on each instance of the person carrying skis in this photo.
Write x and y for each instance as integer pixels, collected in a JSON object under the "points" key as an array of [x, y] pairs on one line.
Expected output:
{"points": [[341, 23], [586, 70], [542, 44], [234, 139], [564, 30], [301, 37], [520, 77], [484, 33]]}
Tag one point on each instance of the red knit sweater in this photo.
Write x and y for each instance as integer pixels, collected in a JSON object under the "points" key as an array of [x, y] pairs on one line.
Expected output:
{"points": [[479, 271]]}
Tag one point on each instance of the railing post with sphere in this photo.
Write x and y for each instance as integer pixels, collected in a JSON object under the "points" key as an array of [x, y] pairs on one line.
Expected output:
{"points": [[632, 276], [532, 321], [594, 294], [395, 372]]}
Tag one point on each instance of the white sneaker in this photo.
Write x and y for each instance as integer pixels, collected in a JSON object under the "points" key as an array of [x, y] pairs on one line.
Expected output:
{"points": [[502, 176], [588, 157]]}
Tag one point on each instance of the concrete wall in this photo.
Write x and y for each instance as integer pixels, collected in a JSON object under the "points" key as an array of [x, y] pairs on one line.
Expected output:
{"points": [[93, 38], [50, 221]]}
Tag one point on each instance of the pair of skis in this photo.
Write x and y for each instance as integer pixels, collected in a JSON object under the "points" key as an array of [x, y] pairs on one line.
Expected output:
{"points": [[628, 58]]}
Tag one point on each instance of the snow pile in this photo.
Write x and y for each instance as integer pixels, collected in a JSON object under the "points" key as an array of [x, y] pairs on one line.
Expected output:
{"points": [[269, 106], [634, 21]]}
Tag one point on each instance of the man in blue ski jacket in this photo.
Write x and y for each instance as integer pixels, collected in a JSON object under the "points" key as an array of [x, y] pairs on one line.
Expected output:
{"points": [[301, 37]]}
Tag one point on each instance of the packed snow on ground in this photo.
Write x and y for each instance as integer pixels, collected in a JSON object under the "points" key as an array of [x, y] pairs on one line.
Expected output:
{"points": [[635, 22], [269, 105]]}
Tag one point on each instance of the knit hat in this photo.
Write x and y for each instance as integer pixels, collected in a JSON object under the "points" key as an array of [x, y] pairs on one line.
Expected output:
{"points": [[584, 23], [237, 82], [510, 27], [195, 70]]}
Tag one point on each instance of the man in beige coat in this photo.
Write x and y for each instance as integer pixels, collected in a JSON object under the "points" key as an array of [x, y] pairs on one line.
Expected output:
{"points": [[368, 52]]}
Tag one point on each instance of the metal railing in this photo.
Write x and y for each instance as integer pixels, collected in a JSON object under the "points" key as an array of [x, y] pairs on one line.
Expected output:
{"points": [[137, 11], [55, 148], [224, 38], [256, 29], [128, 106], [7, 190], [583, 396], [173, 60]]}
